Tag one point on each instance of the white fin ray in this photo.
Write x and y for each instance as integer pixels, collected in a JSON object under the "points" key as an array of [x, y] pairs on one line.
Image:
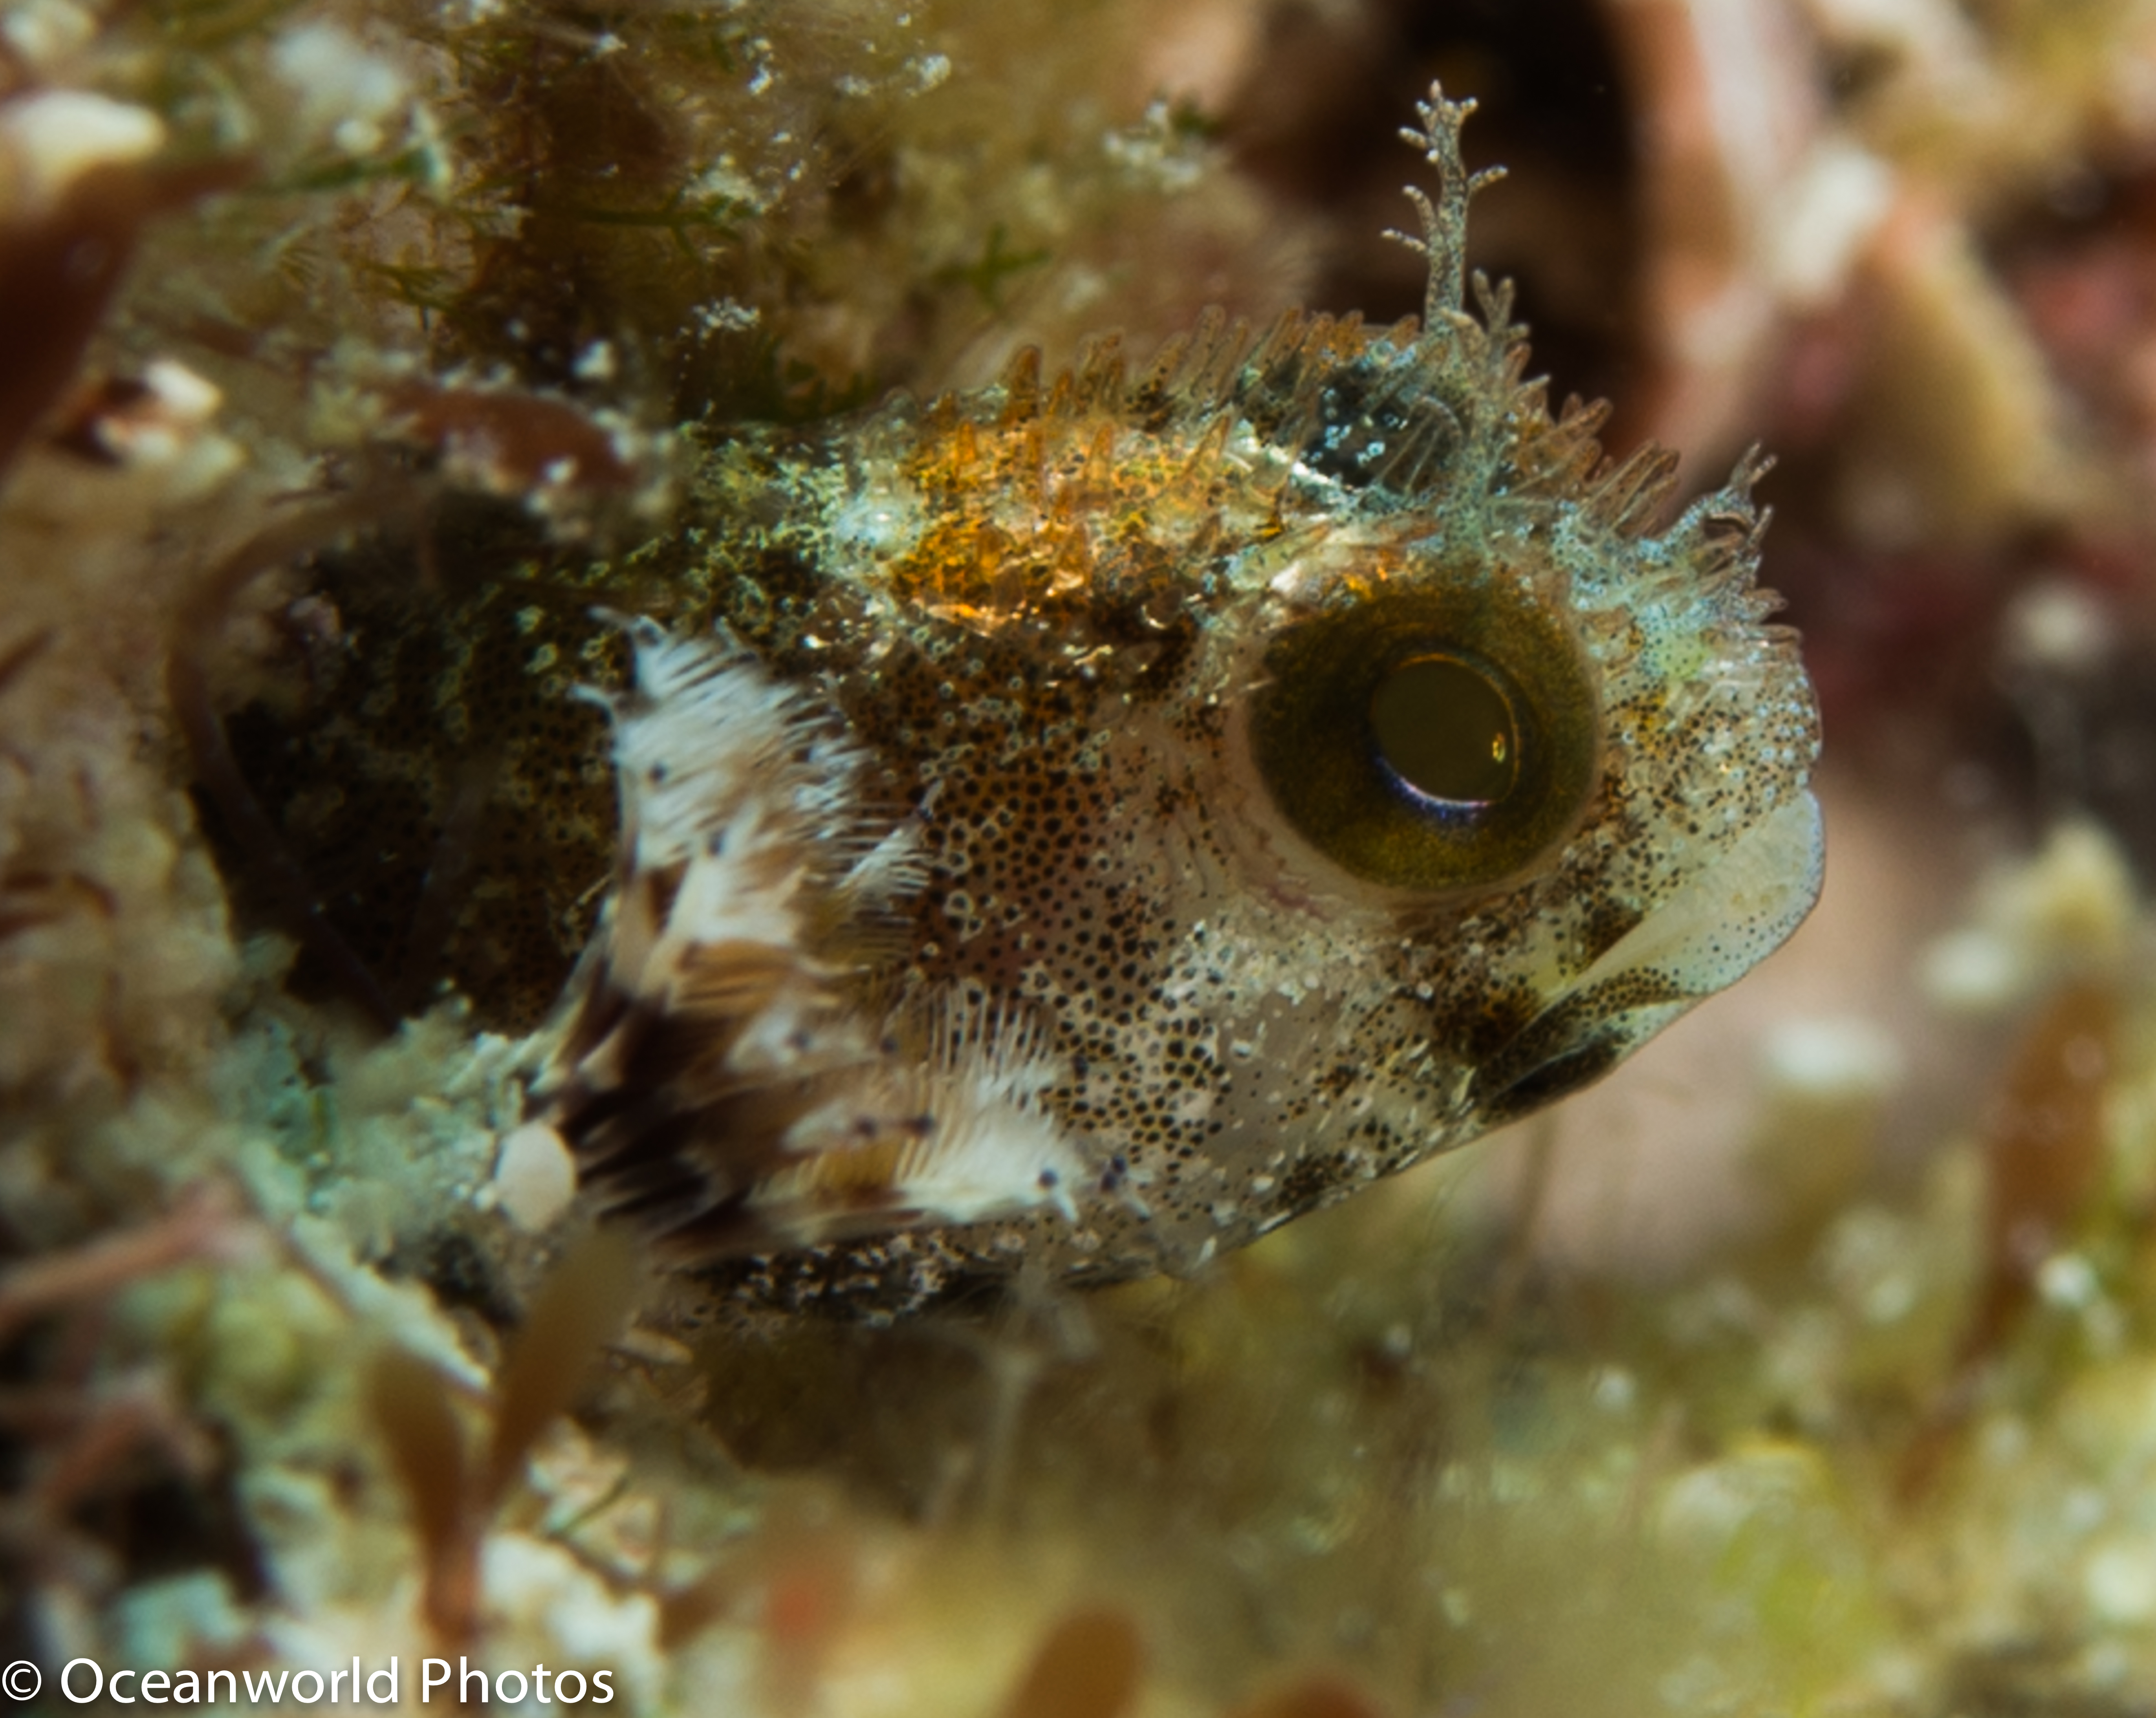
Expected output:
{"points": [[743, 835]]}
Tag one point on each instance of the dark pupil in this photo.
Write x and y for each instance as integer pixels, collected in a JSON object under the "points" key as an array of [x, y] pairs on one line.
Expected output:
{"points": [[1445, 730]]}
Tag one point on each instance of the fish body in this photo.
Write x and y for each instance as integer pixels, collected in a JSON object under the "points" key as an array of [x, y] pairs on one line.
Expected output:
{"points": [[1083, 824]]}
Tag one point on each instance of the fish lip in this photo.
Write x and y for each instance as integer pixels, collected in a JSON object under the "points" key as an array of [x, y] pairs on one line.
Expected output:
{"points": [[1770, 877], [1571, 1069]]}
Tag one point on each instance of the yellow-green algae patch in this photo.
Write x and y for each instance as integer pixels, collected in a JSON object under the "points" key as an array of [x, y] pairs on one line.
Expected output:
{"points": [[1338, 1452]]}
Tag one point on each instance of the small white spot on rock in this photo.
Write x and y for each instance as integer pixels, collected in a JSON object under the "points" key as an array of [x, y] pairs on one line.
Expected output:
{"points": [[533, 1177], [346, 93]]}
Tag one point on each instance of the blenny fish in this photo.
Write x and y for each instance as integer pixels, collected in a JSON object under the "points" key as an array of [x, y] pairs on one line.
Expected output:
{"points": [[1084, 823]]}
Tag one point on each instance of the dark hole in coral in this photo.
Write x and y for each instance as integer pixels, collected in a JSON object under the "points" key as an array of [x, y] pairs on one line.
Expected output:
{"points": [[447, 803], [168, 1524]]}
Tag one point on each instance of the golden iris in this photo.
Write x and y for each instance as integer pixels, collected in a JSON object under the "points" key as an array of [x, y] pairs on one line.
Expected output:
{"points": [[1439, 736]]}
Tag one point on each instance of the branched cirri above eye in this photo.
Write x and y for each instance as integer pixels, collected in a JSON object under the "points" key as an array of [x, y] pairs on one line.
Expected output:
{"points": [[1439, 736]]}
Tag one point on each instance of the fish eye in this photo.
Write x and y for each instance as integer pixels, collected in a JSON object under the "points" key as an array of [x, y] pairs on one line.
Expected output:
{"points": [[1445, 726], [1436, 738]]}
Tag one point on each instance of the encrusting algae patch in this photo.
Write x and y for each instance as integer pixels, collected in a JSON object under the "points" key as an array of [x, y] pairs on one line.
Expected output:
{"points": [[325, 972]]}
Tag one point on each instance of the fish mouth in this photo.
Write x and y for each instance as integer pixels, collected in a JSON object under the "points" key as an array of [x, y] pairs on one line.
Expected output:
{"points": [[1509, 1091], [1737, 912]]}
